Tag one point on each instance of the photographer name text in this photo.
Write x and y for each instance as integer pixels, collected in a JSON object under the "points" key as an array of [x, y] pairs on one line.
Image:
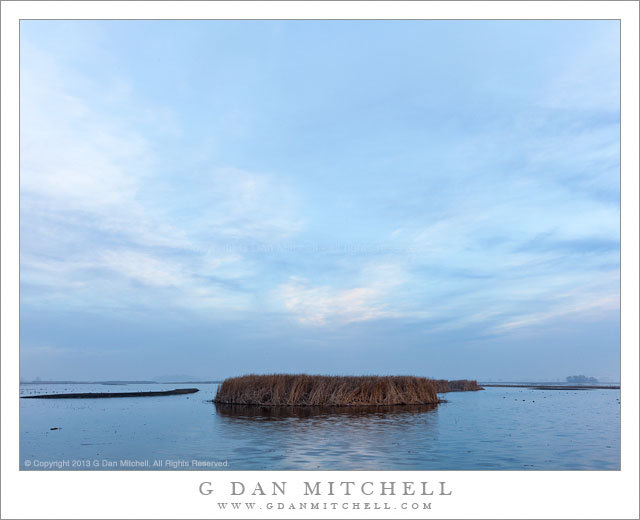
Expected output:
{"points": [[330, 488]]}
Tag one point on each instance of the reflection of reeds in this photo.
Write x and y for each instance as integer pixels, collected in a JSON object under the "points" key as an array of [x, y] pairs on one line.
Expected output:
{"points": [[460, 385], [308, 390], [243, 411]]}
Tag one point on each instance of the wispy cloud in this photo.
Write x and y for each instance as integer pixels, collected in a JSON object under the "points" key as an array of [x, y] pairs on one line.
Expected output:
{"points": [[586, 306], [377, 292], [248, 205], [95, 213], [320, 305]]}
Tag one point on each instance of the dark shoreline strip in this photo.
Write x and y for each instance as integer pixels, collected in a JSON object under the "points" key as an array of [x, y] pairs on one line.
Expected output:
{"points": [[558, 387], [102, 395]]}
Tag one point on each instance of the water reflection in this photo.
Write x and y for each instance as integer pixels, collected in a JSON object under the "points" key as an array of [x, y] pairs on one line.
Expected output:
{"points": [[286, 412], [346, 437]]}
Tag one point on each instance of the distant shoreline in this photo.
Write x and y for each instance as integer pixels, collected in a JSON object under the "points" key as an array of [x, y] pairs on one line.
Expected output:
{"points": [[541, 386]]}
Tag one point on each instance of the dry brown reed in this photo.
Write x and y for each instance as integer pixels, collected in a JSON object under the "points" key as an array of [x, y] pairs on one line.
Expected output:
{"points": [[312, 390], [459, 385]]}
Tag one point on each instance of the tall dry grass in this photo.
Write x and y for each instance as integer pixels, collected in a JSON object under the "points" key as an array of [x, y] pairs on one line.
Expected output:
{"points": [[459, 385], [310, 390]]}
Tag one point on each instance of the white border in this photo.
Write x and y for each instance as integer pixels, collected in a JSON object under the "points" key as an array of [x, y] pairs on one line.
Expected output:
{"points": [[175, 495]]}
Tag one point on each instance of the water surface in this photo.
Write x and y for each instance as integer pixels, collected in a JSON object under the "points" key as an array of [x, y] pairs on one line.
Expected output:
{"points": [[498, 428]]}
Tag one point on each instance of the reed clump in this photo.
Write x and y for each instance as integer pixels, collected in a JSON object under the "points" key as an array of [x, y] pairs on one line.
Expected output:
{"points": [[458, 385], [313, 390]]}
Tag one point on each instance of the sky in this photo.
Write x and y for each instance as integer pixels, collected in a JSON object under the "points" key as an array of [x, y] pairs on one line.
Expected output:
{"points": [[216, 198]]}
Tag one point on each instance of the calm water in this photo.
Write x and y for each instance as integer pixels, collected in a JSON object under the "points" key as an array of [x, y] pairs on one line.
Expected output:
{"points": [[498, 428]]}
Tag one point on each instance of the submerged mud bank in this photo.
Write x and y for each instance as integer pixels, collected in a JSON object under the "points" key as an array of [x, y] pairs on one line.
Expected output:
{"points": [[103, 395]]}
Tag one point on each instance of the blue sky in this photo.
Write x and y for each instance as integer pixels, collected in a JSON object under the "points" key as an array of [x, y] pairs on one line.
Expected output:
{"points": [[214, 198]]}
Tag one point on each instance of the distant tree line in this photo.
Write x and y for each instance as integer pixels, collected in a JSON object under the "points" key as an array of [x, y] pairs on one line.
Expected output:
{"points": [[581, 379]]}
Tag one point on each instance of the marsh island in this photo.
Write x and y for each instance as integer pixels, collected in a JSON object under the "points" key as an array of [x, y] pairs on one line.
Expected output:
{"points": [[317, 390]]}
